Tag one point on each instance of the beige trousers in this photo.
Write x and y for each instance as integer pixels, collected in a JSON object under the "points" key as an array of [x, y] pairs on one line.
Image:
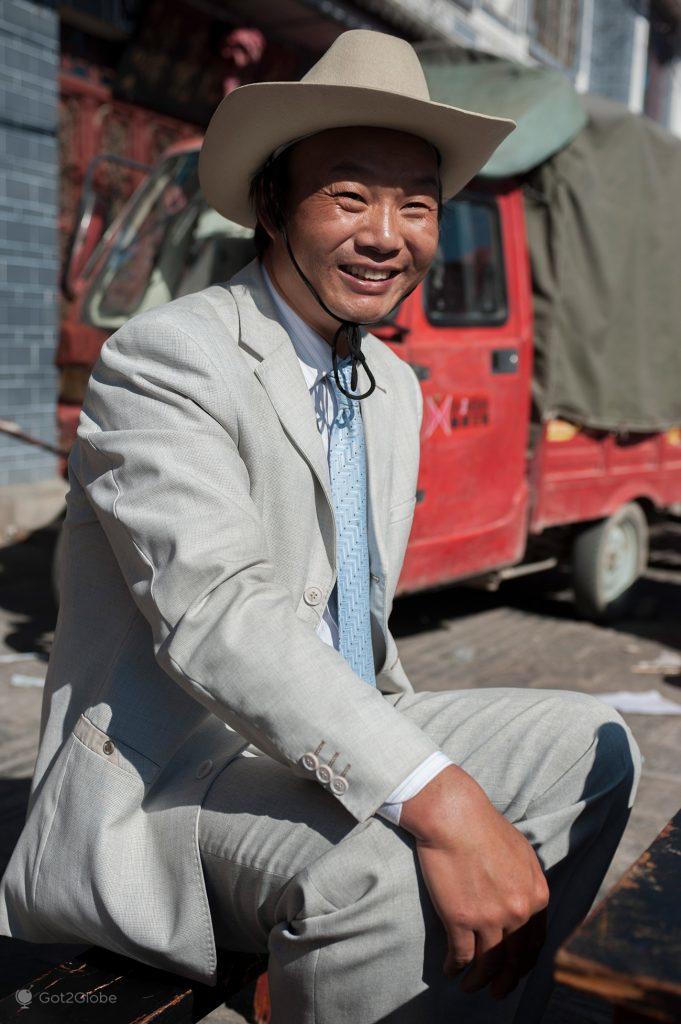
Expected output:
{"points": [[341, 906]]}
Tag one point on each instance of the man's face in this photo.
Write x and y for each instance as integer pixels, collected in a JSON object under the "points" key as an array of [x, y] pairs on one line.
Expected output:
{"points": [[362, 223]]}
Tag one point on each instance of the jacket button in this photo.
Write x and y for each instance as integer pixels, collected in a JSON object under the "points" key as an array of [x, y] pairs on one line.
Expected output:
{"points": [[108, 747], [310, 761], [338, 785], [312, 595], [204, 769], [324, 774]]}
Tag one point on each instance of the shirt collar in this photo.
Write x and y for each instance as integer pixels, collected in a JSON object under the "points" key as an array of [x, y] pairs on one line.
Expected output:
{"points": [[313, 352]]}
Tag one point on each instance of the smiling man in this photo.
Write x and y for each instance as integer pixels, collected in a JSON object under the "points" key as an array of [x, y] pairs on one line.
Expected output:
{"points": [[231, 754]]}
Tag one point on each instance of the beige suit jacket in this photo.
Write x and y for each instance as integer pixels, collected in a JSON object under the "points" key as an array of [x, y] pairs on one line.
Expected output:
{"points": [[199, 551]]}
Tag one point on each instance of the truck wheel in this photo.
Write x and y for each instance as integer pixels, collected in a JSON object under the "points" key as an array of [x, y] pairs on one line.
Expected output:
{"points": [[607, 559]]}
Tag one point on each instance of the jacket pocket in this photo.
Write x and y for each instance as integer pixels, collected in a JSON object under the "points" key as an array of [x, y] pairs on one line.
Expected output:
{"points": [[115, 751]]}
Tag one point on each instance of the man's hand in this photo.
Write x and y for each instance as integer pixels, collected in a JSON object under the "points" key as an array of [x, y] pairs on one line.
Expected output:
{"points": [[484, 879]]}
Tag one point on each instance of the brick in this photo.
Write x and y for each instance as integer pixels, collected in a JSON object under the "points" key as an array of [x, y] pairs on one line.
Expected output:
{"points": [[26, 108], [47, 195], [17, 189], [30, 21], [47, 275], [17, 398], [43, 396], [17, 273], [15, 355], [45, 356], [32, 152]]}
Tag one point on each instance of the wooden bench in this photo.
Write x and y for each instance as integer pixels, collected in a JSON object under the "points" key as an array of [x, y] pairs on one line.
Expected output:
{"points": [[628, 951], [106, 988]]}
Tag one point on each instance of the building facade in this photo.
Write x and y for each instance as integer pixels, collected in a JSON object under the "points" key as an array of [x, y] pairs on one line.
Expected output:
{"points": [[29, 56]]}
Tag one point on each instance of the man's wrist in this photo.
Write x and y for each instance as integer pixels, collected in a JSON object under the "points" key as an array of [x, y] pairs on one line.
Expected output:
{"points": [[391, 809], [431, 813]]}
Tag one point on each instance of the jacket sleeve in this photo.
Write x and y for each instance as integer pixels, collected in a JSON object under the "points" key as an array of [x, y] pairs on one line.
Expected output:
{"points": [[172, 493]]}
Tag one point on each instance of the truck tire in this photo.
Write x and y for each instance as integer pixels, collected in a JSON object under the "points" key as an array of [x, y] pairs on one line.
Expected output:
{"points": [[607, 559]]}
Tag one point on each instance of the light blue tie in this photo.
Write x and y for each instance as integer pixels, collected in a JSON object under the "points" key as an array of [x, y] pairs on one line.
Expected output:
{"points": [[347, 470]]}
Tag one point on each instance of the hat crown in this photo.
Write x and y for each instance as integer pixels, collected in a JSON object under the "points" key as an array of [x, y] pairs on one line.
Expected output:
{"points": [[371, 60]]}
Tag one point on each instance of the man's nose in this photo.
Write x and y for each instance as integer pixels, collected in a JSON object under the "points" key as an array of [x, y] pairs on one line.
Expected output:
{"points": [[380, 231]]}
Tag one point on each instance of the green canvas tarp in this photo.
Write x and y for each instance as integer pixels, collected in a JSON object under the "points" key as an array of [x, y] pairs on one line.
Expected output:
{"points": [[602, 191], [541, 101], [604, 225]]}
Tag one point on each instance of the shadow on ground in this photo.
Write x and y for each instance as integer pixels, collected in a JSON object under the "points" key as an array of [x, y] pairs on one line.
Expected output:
{"points": [[655, 613], [26, 591]]}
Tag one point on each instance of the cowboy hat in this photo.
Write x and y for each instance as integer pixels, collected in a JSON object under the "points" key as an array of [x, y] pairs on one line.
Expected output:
{"points": [[364, 78]]}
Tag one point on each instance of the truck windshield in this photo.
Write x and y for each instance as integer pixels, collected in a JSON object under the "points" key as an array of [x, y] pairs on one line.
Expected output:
{"points": [[465, 286], [168, 243]]}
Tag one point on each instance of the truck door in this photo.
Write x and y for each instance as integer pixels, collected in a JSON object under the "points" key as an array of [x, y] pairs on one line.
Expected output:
{"points": [[470, 343]]}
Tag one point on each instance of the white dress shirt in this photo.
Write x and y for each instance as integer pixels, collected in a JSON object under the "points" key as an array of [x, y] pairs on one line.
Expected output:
{"points": [[314, 356]]}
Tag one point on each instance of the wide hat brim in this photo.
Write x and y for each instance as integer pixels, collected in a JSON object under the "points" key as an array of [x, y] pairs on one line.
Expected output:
{"points": [[254, 120]]}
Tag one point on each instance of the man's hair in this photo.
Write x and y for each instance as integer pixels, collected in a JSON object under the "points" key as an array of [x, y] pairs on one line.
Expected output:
{"points": [[268, 194]]}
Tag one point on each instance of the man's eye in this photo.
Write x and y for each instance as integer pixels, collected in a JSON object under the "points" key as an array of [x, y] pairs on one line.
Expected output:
{"points": [[351, 195]]}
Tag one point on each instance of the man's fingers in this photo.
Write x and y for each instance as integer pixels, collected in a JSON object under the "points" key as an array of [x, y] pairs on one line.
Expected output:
{"points": [[521, 949], [524, 945], [489, 961], [504, 983], [461, 951]]}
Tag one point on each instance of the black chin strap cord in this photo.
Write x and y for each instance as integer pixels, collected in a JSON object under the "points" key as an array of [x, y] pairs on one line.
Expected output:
{"points": [[349, 328]]}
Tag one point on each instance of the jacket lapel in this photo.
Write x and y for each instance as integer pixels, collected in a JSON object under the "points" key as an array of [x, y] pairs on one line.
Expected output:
{"points": [[278, 370]]}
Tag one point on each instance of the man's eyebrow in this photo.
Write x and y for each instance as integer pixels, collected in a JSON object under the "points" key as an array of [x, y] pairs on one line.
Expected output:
{"points": [[350, 168]]}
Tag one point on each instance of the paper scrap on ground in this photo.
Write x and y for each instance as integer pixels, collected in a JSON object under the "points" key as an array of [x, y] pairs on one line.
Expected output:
{"points": [[19, 680], [647, 702], [666, 661]]}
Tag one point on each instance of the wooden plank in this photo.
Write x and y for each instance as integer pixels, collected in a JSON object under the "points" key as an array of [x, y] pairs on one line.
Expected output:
{"points": [[100, 987], [628, 951]]}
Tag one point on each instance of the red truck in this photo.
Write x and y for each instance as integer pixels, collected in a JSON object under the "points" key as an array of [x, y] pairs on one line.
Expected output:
{"points": [[505, 487]]}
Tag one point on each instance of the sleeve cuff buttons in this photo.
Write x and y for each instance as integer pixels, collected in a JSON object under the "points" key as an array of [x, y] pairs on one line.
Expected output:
{"points": [[324, 774], [338, 784]]}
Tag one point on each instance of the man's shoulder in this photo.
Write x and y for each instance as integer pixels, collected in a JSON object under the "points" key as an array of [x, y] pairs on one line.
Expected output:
{"points": [[206, 321], [210, 308], [200, 329]]}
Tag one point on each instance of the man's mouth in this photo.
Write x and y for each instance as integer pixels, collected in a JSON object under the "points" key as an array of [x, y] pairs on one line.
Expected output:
{"points": [[368, 273]]}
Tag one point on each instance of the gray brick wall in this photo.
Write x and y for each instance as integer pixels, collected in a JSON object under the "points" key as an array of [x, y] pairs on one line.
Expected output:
{"points": [[29, 57]]}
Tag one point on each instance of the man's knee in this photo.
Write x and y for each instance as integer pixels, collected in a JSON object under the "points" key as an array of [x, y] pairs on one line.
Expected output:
{"points": [[600, 732]]}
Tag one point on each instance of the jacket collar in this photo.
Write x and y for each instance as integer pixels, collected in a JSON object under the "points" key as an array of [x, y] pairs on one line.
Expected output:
{"points": [[278, 370], [314, 353]]}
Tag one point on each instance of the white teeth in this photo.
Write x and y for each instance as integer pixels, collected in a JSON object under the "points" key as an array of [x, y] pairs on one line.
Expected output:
{"points": [[369, 275]]}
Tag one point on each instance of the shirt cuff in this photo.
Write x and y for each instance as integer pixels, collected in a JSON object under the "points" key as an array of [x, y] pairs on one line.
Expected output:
{"points": [[391, 809]]}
